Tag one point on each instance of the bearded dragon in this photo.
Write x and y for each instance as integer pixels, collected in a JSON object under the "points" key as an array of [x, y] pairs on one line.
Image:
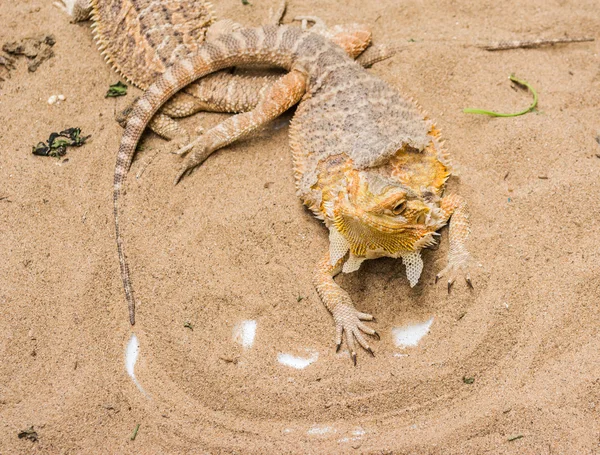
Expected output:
{"points": [[366, 161], [141, 38]]}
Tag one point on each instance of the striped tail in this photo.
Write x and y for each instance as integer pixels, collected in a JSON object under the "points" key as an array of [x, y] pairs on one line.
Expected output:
{"points": [[268, 44]]}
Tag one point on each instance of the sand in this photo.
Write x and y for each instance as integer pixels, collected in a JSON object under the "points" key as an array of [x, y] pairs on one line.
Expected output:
{"points": [[511, 367]]}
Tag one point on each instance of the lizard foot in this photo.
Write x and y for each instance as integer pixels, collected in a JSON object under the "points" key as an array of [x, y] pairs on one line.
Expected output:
{"points": [[349, 321], [197, 151], [194, 146], [453, 269]]}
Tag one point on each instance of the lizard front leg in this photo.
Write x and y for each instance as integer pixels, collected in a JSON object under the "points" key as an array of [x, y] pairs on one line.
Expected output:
{"points": [[455, 208], [348, 320], [282, 95]]}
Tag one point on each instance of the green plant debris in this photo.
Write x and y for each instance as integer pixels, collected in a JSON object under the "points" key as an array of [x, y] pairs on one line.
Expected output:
{"points": [[299, 298], [187, 325], [135, 432], [498, 114], [246, 2], [58, 142], [118, 89], [467, 380], [29, 433], [514, 438]]}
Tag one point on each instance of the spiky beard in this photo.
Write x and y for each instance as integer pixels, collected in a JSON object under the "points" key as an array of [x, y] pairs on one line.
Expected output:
{"points": [[365, 232]]}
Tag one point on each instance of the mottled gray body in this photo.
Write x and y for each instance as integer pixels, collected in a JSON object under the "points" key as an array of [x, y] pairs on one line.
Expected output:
{"points": [[349, 111]]}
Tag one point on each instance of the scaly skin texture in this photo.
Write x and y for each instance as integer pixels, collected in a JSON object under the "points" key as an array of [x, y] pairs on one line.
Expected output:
{"points": [[366, 161], [141, 38]]}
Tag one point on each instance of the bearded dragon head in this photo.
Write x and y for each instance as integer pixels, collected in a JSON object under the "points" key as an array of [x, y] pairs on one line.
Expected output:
{"points": [[375, 214]]}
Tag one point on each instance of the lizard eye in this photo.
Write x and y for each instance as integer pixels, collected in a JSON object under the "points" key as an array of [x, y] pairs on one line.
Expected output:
{"points": [[399, 208]]}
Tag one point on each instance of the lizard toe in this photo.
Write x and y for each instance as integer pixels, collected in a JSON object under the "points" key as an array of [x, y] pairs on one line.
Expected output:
{"points": [[184, 145], [184, 172]]}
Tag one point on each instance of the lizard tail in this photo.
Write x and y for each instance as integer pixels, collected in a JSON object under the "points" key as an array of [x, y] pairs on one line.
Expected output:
{"points": [[268, 44]]}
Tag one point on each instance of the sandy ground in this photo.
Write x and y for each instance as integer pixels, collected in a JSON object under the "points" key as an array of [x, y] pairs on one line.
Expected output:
{"points": [[233, 243]]}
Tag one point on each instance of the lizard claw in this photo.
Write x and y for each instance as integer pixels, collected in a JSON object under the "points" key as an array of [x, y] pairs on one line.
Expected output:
{"points": [[349, 322], [453, 269], [469, 282], [182, 173]]}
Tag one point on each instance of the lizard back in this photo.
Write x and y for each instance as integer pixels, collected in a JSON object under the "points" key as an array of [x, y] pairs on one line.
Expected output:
{"points": [[142, 38], [349, 112]]}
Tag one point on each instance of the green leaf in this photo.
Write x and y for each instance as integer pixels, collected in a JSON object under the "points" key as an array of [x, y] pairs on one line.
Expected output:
{"points": [[118, 89], [135, 432], [58, 142], [498, 114]]}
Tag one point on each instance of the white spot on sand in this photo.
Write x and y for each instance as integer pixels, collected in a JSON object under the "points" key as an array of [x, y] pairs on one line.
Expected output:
{"points": [[295, 361], [357, 434], [131, 354], [244, 333], [358, 431], [410, 335], [320, 429], [56, 99]]}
